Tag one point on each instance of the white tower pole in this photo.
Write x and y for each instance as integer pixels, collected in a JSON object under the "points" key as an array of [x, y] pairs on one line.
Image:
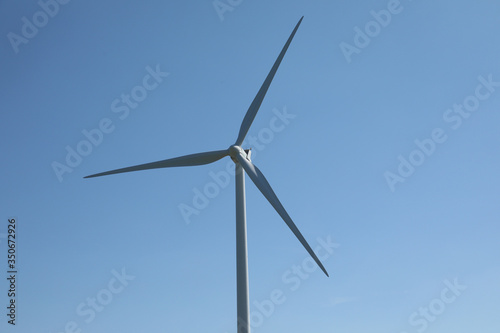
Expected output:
{"points": [[241, 254]]}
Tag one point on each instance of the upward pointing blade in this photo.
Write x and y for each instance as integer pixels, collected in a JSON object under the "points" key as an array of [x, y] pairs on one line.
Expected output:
{"points": [[187, 160], [260, 181], [254, 107]]}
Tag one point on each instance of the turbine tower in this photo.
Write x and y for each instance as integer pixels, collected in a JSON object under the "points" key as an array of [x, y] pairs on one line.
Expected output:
{"points": [[243, 164]]}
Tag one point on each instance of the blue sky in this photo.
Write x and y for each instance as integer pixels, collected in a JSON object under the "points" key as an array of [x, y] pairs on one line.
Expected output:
{"points": [[379, 134]]}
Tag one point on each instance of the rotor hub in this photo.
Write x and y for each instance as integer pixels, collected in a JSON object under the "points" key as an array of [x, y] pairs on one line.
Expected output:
{"points": [[235, 150]]}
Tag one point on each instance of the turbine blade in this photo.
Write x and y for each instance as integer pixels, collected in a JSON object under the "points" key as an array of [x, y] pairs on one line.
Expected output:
{"points": [[254, 107], [187, 160], [262, 184]]}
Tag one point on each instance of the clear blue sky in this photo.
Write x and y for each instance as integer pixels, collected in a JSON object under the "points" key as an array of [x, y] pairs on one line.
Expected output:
{"points": [[379, 134]]}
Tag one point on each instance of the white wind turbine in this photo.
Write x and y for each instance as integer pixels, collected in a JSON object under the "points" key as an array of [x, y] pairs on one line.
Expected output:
{"points": [[241, 158]]}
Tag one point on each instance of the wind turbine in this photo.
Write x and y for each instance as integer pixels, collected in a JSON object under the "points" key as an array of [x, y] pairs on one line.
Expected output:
{"points": [[241, 158]]}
